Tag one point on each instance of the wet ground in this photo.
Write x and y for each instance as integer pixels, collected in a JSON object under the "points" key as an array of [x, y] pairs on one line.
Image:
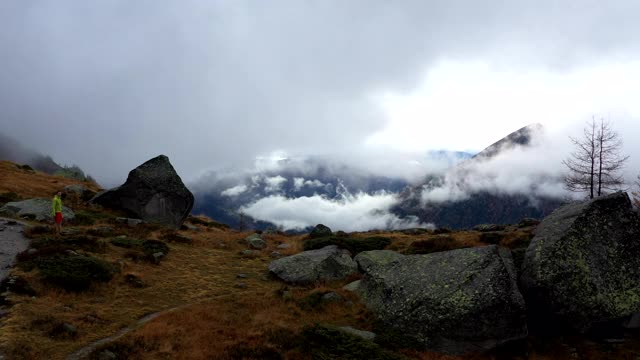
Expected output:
{"points": [[12, 242]]}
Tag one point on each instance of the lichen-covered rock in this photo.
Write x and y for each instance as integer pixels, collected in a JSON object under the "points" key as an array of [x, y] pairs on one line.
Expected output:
{"points": [[453, 301], [582, 267], [255, 241], [328, 263], [153, 192], [35, 209], [369, 259]]}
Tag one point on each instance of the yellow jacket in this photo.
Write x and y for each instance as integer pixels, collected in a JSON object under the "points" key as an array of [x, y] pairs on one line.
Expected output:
{"points": [[57, 204]]}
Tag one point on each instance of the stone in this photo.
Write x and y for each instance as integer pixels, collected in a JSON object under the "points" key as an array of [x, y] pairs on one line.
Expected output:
{"points": [[582, 268], [157, 257], [366, 335], [275, 254], [488, 227], [320, 231], [255, 241], [80, 191], [454, 301], [328, 263], [3, 228], [352, 286], [107, 355], [153, 192], [129, 221], [369, 259], [332, 297], [35, 209], [283, 246], [190, 227], [526, 222], [241, 276], [240, 285]]}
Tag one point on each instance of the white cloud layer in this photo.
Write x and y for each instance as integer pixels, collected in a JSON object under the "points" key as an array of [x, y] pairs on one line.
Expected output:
{"points": [[352, 212]]}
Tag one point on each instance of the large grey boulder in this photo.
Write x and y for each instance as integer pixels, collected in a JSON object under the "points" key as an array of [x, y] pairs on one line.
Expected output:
{"points": [[582, 268], [153, 192], [454, 301], [328, 263], [35, 209]]}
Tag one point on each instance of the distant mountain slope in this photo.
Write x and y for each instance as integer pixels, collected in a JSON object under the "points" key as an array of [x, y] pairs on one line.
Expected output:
{"points": [[13, 150], [476, 207], [222, 195]]}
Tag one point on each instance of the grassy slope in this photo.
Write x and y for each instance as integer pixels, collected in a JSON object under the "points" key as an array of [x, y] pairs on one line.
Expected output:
{"points": [[31, 184], [220, 319]]}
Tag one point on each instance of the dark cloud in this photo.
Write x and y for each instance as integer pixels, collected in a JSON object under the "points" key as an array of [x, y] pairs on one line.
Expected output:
{"points": [[110, 84]]}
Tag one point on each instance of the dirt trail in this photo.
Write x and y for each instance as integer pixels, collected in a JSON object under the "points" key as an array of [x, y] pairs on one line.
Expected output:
{"points": [[12, 242]]}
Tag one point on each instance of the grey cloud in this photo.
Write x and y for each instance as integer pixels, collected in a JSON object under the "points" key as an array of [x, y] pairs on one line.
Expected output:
{"points": [[110, 84]]}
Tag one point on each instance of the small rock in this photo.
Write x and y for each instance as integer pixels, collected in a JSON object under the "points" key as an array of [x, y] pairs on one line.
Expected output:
{"points": [[241, 276], [367, 335], [190, 227], [67, 308], [174, 237], [488, 227], [2, 227], [32, 251], [107, 355], [240, 285], [283, 246], [275, 254], [72, 253], [129, 221], [157, 257], [353, 287], [255, 241], [222, 244], [332, 297]]}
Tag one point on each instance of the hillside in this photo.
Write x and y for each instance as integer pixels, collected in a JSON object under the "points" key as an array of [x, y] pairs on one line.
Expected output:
{"points": [[27, 183], [210, 296]]}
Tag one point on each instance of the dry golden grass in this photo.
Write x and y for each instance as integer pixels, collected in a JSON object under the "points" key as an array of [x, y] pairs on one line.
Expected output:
{"points": [[214, 316], [30, 184]]}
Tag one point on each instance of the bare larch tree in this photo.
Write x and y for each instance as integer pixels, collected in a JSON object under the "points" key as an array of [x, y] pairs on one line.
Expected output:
{"points": [[596, 163]]}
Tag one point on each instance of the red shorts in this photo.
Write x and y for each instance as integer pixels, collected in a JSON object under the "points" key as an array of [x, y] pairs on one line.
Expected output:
{"points": [[58, 218]]}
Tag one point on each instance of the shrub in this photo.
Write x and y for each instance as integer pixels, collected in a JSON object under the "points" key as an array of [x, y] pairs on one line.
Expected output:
{"points": [[8, 197], [153, 246], [435, 244], [327, 342], [88, 217], [354, 245], [74, 273], [25, 167], [491, 237], [126, 242]]}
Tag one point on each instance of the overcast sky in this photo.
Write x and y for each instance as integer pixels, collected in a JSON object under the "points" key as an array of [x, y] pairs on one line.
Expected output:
{"points": [[214, 84]]}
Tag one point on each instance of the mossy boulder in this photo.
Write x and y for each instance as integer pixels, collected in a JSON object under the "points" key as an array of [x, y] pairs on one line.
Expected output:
{"points": [[454, 301], [328, 263], [582, 268], [34, 209]]}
